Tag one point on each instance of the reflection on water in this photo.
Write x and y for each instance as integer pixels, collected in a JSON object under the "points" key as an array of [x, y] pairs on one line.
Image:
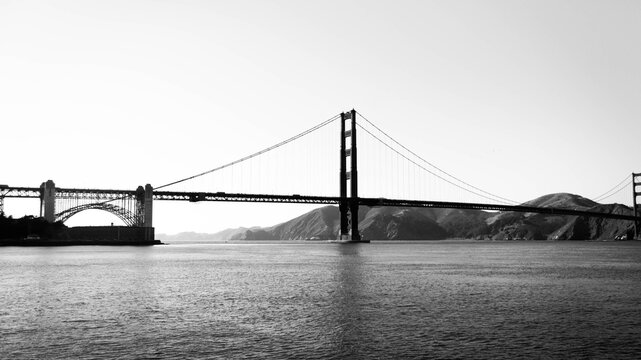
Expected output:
{"points": [[303, 300], [347, 317]]}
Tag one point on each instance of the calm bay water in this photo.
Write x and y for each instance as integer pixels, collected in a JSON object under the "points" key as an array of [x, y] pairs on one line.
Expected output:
{"points": [[321, 300]]}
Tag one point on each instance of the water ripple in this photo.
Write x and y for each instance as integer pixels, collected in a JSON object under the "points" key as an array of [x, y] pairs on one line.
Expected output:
{"points": [[323, 301]]}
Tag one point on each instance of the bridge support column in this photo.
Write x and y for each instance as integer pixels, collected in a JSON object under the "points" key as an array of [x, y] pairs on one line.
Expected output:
{"points": [[148, 205], [343, 206], [636, 181], [348, 206], [3, 191], [48, 201], [144, 211]]}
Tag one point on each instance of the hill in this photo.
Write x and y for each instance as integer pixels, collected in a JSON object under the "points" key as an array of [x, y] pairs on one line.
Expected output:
{"points": [[392, 223], [532, 226]]}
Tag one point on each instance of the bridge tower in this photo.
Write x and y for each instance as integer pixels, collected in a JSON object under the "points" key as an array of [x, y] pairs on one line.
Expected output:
{"points": [[48, 201], [3, 192], [144, 210], [636, 181], [348, 206]]}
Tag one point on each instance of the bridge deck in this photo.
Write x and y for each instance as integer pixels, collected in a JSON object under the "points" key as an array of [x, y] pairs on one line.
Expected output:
{"points": [[492, 207], [108, 195], [373, 202]]}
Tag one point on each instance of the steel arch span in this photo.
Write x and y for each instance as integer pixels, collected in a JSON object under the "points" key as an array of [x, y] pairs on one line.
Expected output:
{"points": [[128, 217]]}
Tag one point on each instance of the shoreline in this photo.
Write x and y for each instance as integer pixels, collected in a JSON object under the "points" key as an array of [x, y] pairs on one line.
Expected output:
{"points": [[76, 242]]}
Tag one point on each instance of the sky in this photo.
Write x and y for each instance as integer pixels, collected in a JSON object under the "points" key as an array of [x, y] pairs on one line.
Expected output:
{"points": [[519, 98]]}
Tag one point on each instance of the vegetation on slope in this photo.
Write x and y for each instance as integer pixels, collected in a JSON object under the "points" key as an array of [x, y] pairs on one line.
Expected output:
{"points": [[391, 223]]}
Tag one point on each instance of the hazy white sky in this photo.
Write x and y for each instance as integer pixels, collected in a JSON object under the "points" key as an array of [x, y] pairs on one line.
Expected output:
{"points": [[520, 98]]}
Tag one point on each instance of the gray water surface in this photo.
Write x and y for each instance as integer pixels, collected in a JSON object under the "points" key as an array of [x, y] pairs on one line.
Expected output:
{"points": [[321, 300]]}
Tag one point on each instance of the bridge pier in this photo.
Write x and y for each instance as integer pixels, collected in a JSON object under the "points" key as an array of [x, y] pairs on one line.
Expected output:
{"points": [[144, 210], [149, 203], [2, 194], [48, 201]]}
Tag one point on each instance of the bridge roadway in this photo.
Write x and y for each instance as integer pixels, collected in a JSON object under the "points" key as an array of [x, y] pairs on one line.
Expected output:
{"points": [[374, 202], [108, 195]]}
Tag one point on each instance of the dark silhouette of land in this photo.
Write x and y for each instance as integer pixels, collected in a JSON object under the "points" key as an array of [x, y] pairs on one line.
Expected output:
{"points": [[395, 223], [35, 231]]}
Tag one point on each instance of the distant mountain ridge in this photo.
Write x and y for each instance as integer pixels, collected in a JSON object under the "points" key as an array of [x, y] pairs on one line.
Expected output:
{"points": [[512, 225], [394, 223]]}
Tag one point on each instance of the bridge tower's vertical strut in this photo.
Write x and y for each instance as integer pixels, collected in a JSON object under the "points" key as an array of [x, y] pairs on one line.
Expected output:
{"points": [[348, 206], [139, 208], [48, 201], [343, 206], [353, 206], [636, 181], [144, 210], [3, 192], [148, 223]]}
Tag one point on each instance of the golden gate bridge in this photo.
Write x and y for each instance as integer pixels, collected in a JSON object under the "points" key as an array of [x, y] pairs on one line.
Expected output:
{"points": [[392, 166]]}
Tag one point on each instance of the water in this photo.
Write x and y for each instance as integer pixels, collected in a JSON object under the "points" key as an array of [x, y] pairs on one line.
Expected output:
{"points": [[320, 300]]}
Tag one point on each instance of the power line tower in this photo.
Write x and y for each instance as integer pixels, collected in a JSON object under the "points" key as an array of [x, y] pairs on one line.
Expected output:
{"points": [[636, 181]]}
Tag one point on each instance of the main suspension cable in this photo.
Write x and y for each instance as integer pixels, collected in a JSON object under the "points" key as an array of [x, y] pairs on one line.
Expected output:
{"points": [[603, 196], [614, 193], [504, 200], [284, 142], [429, 171]]}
